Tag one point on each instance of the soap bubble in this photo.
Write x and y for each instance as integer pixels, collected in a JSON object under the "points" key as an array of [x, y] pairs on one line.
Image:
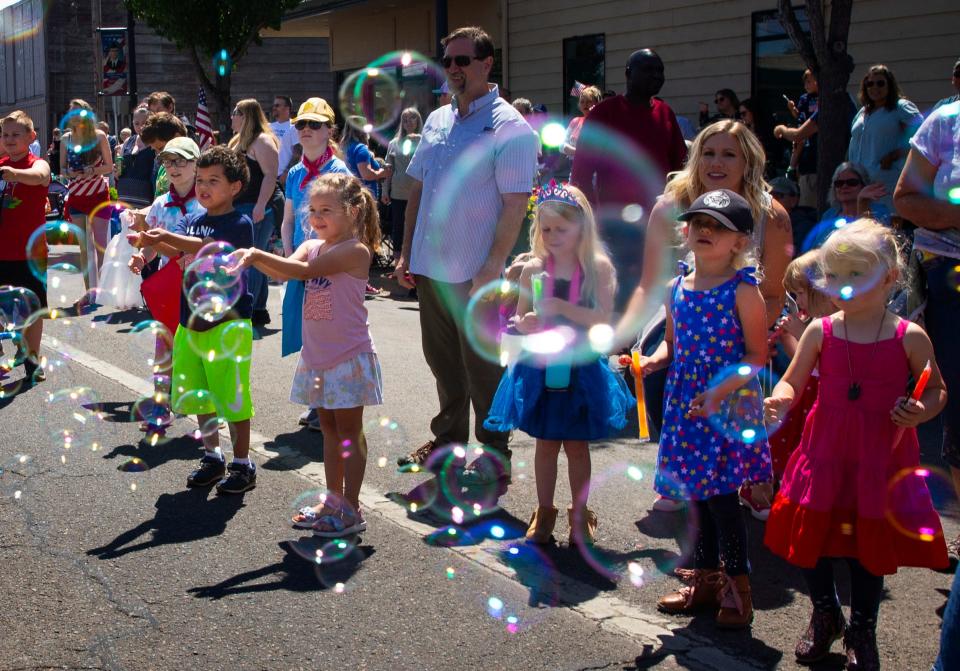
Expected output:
{"points": [[371, 99], [909, 493], [82, 126], [152, 343], [134, 465], [44, 268], [210, 288], [71, 417], [16, 306], [487, 317]]}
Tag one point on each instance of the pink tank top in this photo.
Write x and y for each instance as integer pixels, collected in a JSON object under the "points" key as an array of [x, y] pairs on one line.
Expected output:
{"points": [[335, 326]]}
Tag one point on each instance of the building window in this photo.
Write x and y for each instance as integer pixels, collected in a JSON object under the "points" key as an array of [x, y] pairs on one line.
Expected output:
{"points": [[777, 71], [584, 61]]}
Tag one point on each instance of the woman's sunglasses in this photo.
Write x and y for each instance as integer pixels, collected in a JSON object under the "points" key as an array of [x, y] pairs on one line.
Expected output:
{"points": [[313, 125], [837, 183], [879, 83], [461, 61]]}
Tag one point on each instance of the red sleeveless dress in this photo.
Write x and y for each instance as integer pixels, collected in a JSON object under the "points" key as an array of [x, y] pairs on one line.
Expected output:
{"points": [[848, 491]]}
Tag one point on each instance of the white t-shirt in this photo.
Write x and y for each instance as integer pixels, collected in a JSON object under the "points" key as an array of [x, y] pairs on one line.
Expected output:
{"points": [[287, 135]]}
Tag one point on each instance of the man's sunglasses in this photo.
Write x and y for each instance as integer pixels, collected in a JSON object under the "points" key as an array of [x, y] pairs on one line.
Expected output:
{"points": [[837, 183], [879, 83], [314, 125], [461, 61]]}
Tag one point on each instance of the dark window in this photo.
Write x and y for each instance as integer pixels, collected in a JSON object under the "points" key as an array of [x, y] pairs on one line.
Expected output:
{"points": [[777, 71], [584, 61]]}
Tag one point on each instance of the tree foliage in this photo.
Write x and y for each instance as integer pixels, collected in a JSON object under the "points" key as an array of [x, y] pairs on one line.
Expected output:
{"points": [[204, 28], [824, 50]]}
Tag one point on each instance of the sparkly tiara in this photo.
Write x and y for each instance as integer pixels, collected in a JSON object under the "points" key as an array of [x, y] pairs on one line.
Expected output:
{"points": [[558, 193]]}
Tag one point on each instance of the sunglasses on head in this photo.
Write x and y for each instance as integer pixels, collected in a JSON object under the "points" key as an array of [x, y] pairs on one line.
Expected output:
{"points": [[461, 61], [853, 181], [879, 83], [313, 125]]}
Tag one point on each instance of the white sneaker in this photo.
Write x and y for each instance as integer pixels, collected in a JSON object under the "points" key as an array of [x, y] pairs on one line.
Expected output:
{"points": [[664, 505], [308, 417]]}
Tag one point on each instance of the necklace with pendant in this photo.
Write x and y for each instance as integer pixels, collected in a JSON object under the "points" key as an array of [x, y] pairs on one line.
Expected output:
{"points": [[853, 391]]}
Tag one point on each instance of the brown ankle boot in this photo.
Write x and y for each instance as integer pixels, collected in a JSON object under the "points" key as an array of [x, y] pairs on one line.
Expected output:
{"points": [[736, 603], [698, 595], [582, 530], [541, 525]]}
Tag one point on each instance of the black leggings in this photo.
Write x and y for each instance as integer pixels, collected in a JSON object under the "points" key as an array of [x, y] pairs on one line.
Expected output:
{"points": [[722, 533], [866, 590]]}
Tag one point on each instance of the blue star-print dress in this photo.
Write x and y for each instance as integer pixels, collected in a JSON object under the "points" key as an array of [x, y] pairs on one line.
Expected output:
{"points": [[701, 457]]}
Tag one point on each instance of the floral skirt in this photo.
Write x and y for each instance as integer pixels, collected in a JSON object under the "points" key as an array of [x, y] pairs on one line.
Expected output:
{"points": [[355, 382]]}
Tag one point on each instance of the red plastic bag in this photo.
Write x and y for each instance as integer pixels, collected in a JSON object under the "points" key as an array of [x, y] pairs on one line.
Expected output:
{"points": [[161, 292]]}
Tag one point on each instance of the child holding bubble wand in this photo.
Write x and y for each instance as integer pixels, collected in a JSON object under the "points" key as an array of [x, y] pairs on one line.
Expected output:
{"points": [[561, 391], [338, 372], [853, 489], [713, 438]]}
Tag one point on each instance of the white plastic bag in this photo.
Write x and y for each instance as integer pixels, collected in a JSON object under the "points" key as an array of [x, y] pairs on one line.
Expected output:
{"points": [[119, 287]]}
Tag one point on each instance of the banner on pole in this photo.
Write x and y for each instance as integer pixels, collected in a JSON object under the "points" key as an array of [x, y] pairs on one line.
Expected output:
{"points": [[113, 43]]}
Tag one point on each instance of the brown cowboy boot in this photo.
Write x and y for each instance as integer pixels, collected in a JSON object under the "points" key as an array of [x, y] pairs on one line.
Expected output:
{"points": [[541, 526], [736, 603], [582, 530], [700, 594]]}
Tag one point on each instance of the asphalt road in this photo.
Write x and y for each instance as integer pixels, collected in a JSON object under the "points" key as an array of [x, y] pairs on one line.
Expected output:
{"points": [[113, 564]]}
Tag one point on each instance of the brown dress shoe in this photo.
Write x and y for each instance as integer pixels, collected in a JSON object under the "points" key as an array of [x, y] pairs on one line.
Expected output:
{"points": [[861, 648], [699, 594], [736, 603], [582, 530], [541, 525], [823, 630], [418, 456]]}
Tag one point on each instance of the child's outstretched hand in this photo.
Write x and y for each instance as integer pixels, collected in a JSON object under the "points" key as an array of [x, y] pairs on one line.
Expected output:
{"points": [[240, 259], [136, 264], [704, 404], [775, 409], [528, 323], [907, 412]]}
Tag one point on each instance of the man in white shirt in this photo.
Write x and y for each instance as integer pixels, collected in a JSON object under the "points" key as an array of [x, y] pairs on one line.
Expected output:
{"points": [[287, 135]]}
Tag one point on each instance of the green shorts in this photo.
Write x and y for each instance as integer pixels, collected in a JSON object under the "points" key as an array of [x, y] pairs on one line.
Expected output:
{"points": [[211, 371]]}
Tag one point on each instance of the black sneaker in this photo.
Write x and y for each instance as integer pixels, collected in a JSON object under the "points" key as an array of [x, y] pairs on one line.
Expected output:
{"points": [[242, 478], [210, 470], [260, 318]]}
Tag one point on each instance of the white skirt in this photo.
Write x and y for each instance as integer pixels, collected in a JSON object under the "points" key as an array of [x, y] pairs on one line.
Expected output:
{"points": [[354, 383]]}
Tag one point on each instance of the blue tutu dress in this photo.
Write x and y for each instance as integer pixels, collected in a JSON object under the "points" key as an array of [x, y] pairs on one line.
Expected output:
{"points": [[592, 407], [702, 457]]}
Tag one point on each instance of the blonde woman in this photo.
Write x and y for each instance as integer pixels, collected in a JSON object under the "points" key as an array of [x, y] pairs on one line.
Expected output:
{"points": [[589, 98], [396, 188], [86, 159], [725, 155], [262, 200]]}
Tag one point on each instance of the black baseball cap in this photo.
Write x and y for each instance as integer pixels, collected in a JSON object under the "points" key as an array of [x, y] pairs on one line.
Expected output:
{"points": [[727, 207]]}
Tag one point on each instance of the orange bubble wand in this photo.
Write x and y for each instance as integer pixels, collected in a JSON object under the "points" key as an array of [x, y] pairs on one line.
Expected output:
{"points": [[916, 394], [641, 404]]}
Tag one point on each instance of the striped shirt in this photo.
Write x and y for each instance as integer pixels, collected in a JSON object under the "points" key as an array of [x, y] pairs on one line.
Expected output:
{"points": [[466, 163]]}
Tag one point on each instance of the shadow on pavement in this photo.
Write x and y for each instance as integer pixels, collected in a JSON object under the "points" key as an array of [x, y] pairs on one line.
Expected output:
{"points": [[183, 448], [113, 411], [296, 572], [128, 316], [296, 450], [735, 643], [182, 517]]}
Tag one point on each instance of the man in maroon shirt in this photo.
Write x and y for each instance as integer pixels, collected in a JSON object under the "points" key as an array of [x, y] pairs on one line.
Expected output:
{"points": [[628, 145]]}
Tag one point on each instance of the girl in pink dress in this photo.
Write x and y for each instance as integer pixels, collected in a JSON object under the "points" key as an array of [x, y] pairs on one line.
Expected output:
{"points": [[338, 372], [853, 489]]}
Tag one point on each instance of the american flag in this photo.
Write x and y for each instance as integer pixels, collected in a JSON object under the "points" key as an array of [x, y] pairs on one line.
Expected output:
{"points": [[204, 129], [577, 89]]}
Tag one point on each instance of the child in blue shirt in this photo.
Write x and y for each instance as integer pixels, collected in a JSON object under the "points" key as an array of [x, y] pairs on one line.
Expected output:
{"points": [[211, 350]]}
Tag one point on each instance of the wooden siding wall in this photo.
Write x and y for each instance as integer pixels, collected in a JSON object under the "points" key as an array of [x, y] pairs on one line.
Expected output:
{"points": [[705, 44], [23, 62]]}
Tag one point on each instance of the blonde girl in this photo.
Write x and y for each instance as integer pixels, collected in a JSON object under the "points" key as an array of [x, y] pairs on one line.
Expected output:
{"points": [[570, 397], [850, 489], [338, 372]]}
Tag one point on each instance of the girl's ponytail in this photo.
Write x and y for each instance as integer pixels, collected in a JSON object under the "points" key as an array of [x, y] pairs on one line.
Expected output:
{"points": [[368, 221]]}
